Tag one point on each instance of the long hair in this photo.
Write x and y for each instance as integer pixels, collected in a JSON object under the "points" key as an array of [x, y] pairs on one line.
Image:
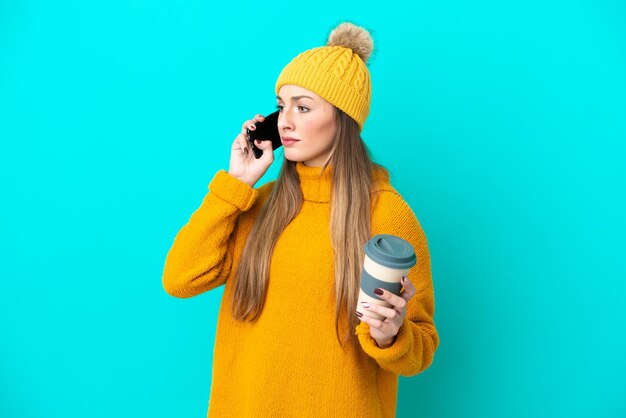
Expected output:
{"points": [[353, 195]]}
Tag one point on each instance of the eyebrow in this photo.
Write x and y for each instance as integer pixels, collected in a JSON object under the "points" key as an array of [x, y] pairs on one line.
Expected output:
{"points": [[296, 97]]}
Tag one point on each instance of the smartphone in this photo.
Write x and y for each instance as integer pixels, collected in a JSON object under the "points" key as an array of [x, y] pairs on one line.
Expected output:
{"points": [[265, 131]]}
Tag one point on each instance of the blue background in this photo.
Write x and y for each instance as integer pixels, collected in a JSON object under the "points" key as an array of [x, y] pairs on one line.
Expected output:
{"points": [[503, 124]]}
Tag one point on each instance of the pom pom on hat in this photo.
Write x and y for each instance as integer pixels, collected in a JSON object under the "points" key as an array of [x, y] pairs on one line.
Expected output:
{"points": [[336, 72], [354, 37]]}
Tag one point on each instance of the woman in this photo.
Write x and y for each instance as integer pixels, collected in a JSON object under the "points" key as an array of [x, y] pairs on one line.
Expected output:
{"points": [[289, 341]]}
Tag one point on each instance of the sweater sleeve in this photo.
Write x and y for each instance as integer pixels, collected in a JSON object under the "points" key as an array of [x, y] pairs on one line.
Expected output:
{"points": [[203, 253], [414, 346]]}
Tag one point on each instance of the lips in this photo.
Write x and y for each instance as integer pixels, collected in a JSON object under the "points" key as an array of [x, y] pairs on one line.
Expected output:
{"points": [[288, 141]]}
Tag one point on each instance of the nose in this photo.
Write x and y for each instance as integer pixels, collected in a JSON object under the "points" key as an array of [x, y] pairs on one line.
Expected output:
{"points": [[284, 121]]}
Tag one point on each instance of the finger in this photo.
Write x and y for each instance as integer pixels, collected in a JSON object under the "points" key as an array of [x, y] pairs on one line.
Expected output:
{"points": [[384, 311], [243, 144], [259, 117], [409, 288], [249, 124], [248, 145], [267, 148], [397, 301], [262, 144], [237, 143], [373, 322]]}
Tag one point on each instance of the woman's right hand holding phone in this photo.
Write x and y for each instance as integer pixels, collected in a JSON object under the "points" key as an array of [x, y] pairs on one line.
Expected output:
{"points": [[243, 164]]}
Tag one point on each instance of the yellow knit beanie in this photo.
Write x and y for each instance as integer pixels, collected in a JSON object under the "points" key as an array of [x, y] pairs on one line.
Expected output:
{"points": [[337, 71]]}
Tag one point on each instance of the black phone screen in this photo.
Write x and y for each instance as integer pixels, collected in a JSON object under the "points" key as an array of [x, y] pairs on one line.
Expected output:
{"points": [[265, 131]]}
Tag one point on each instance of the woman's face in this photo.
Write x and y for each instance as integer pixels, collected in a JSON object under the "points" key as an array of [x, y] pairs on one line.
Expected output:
{"points": [[310, 120]]}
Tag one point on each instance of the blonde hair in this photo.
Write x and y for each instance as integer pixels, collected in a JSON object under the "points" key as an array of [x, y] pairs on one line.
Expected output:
{"points": [[353, 184]]}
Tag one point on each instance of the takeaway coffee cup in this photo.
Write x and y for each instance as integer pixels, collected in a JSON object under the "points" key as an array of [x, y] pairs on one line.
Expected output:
{"points": [[387, 259]]}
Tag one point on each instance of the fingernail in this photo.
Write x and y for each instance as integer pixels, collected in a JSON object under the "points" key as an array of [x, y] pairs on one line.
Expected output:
{"points": [[402, 279], [365, 304], [378, 291], [359, 314]]}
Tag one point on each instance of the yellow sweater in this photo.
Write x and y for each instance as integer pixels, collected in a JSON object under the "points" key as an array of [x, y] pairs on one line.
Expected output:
{"points": [[289, 363]]}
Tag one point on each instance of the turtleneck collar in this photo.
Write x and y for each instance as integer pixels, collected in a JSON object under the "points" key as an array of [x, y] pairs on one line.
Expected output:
{"points": [[315, 187], [318, 187]]}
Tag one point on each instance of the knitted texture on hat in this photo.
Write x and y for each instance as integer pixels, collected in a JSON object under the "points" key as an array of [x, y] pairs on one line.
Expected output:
{"points": [[336, 73]]}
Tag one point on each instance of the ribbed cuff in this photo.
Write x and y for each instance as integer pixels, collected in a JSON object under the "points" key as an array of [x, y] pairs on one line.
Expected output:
{"points": [[401, 345], [233, 190]]}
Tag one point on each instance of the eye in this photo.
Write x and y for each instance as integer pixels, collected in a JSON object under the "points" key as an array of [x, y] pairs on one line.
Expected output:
{"points": [[279, 107], [305, 109]]}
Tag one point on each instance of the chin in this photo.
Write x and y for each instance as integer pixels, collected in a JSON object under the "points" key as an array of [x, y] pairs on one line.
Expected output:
{"points": [[293, 158]]}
